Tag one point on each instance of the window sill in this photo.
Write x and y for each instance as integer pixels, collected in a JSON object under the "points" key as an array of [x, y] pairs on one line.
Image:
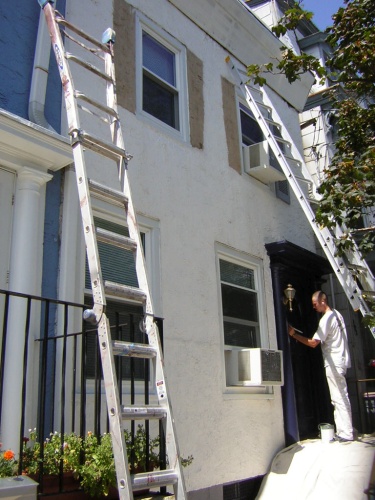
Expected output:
{"points": [[259, 392]]}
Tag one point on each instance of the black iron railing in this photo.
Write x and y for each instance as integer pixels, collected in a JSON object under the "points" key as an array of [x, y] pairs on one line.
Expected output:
{"points": [[67, 393]]}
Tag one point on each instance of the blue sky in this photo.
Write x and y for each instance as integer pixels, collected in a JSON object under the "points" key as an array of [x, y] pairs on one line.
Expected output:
{"points": [[323, 11]]}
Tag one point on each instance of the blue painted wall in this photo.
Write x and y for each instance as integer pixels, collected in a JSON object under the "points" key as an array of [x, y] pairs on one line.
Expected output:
{"points": [[18, 32]]}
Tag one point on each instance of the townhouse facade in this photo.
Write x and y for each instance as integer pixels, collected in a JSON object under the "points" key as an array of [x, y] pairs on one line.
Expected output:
{"points": [[221, 244]]}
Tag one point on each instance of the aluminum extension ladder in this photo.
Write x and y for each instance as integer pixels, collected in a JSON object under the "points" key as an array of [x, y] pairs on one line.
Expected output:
{"points": [[351, 269], [113, 151]]}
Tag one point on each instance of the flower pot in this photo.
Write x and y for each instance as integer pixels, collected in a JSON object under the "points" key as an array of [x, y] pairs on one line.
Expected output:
{"points": [[50, 483]]}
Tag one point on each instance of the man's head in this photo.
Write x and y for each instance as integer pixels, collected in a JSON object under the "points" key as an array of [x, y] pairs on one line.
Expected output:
{"points": [[319, 301]]}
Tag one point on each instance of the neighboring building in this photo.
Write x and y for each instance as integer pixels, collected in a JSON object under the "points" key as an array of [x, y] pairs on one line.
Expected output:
{"points": [[221, 245]]}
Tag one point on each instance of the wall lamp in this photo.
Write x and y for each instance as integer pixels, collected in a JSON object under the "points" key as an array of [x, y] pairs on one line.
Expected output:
{"points": [[289, 293]]}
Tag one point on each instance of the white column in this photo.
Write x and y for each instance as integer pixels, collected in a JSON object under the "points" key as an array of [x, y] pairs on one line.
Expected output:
{"points": [[71, 288], [25, 277]]}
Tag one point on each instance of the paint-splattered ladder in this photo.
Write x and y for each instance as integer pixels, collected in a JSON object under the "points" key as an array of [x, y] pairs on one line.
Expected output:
{"points": [[112, 150]]}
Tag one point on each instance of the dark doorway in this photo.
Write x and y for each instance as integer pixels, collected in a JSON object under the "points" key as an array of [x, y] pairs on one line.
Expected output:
{"points": [[306, 398]]}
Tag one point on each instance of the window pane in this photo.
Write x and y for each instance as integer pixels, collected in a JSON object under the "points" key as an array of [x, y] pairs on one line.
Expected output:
{"points": [[238, 303], [240, 335], [117, 264], [158, 59], [251, 131], [237, 275], [160, 102]]}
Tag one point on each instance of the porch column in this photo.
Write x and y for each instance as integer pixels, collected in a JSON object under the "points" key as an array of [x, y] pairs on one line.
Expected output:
{"points": [[287, 391], [25, 277]]}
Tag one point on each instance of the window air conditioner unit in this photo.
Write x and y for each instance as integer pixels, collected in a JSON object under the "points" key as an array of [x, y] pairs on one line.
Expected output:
{"points": [[254, 367], [256, 159]]}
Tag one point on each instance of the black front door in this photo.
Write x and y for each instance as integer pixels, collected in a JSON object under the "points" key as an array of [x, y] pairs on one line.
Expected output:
{"points": [[305, 394], [310, 384]]}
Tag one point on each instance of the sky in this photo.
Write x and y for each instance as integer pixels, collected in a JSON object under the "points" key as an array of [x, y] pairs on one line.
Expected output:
{"points": [[323, 11]]}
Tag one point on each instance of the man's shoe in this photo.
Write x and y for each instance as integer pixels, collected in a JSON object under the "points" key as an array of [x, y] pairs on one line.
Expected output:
{"points": [[342, 439]]}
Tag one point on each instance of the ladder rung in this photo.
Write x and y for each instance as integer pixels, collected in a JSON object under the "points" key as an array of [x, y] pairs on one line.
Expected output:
{"points": [[131, 350], [363, 230], [257, 91], [265, 110], [143, 412], [115, 239], [94, 143], [98, 105], [294, 164], [88, 66], [280, 140], [106, 193], [154, 479], [125, 292], [81, 33], [274, 127], [357, 267]]}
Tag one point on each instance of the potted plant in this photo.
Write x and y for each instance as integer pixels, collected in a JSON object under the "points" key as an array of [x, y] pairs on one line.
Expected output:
{"points": [[85, 463], [8, 463], [97, 472]]}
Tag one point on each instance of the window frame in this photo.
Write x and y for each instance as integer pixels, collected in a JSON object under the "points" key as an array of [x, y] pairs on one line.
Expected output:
{"points": [[244, 109], [275, 187], [151, 230], [179, 50], [230, 254]]}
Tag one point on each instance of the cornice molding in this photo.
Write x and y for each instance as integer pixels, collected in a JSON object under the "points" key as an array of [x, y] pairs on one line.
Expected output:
{"points": [[23, 143]]}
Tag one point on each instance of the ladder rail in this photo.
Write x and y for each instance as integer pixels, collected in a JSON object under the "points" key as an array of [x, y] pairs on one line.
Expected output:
{"points": [[323, 235], [118, 140]]}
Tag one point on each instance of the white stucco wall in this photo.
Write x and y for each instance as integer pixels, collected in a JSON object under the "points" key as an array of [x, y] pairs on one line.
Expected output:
{"points": [[199, 200]]}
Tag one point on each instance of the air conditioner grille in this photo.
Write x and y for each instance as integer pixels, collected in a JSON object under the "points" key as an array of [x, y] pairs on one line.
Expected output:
{"points": [[271, 366]]}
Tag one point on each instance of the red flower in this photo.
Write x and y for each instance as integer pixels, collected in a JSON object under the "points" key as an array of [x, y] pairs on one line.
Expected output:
{"points": [[8, 455]]}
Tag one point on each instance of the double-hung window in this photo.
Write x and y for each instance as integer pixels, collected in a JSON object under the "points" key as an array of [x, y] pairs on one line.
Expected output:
{"points": [[162, 78], [117, 266], [125, 319], [242, 305], [239, 296], [159, 91], [251, 133]]}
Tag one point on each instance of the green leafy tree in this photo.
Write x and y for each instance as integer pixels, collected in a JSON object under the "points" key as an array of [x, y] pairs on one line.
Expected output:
{"points": [[348, 189]]}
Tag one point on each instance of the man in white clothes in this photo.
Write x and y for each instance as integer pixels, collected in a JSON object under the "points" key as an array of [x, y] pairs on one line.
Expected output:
{"points": [[331, 333]]}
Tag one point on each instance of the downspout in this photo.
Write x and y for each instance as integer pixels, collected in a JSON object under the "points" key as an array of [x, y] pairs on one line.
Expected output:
{"points": [[39, 77]]}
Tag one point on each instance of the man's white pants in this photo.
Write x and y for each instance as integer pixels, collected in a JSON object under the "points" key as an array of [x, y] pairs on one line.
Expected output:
{"points": [[340, 400]]}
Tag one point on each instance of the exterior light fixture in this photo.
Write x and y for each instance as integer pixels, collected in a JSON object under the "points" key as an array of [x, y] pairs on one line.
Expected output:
{"points": [[289, 293]]}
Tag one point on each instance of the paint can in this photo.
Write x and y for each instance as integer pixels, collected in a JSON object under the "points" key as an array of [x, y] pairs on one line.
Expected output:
{"points": [[327, 432]]}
